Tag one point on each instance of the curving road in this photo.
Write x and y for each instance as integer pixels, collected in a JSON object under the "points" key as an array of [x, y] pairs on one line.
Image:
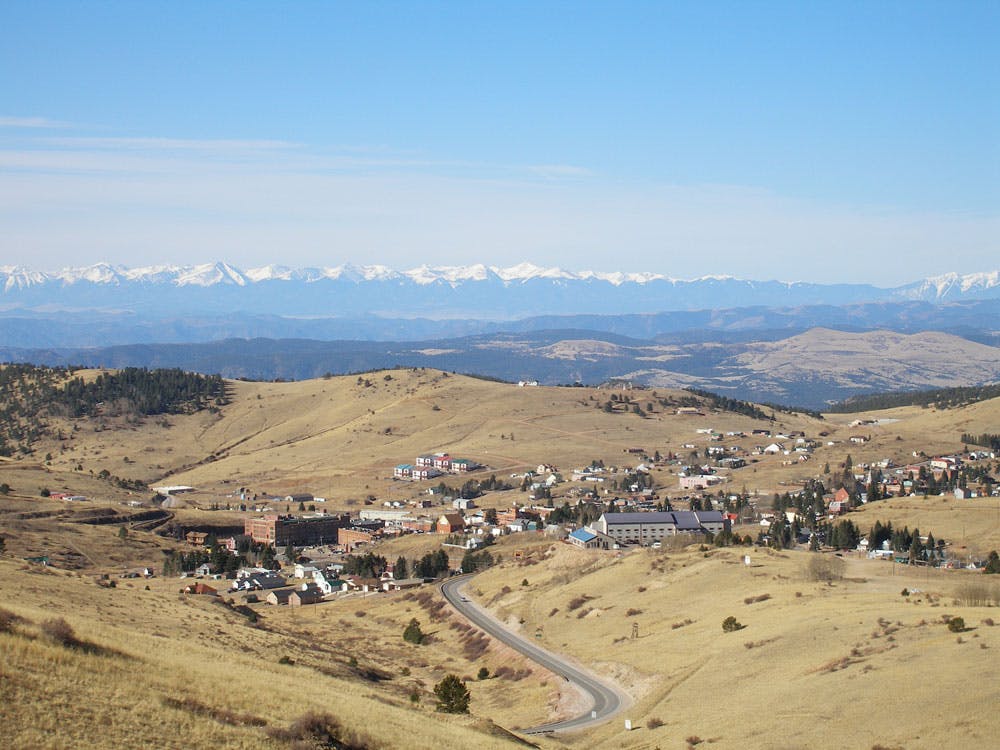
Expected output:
{"points": [[606, 701]]}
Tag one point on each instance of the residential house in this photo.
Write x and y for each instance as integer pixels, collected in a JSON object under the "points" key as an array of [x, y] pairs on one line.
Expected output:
{"points": [[588, 538], [305, 571], [402, 584], [200, 588], [449, 523], [279, 596], [308, 593]]}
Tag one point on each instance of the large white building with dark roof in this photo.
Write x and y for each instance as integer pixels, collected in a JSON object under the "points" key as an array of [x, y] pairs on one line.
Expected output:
{"points": [[646, 528]]}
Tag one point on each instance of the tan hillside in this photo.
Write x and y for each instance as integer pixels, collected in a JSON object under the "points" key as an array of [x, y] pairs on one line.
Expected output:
{"points": [[847, 664], [157, 670], [165, 666], [886, 360], [340, 437]]}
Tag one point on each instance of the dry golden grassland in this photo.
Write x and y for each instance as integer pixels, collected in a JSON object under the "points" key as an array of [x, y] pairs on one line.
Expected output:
{"points": [[338, 438], [847, 664], [155, 669], [851, 663]]}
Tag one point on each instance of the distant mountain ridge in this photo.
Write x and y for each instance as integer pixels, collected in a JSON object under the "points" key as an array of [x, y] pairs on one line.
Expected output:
{"points": [[476, 291], [809, 369]]}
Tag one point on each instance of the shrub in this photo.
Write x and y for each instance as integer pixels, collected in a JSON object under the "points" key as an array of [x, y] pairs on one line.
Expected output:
{"points": [[314, 729], [452, 695], [483, 674], [413, 633], [524, 582], [731, 625], [8, 620], [60, 631], [633, 612], [286, 659], [904, 592], [654, 722], [956, 625]]}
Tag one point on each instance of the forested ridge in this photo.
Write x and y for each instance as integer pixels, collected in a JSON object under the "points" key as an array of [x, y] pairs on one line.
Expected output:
{"points": [[941, 398], [31, 396]]}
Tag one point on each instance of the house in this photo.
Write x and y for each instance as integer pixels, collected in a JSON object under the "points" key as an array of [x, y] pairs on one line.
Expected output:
{"points": [[402, 584], [299, 498], [424, 472], [773, 449], [842, 496], [442, 461], [402, 471], [462, 503], [203, 570], [200, 588], [250, 579], [197, 538], [319, 578], [588, 538], [308, 593], [462, 465], [305, 571], [859, 439], [449, 523], [279, 596], [699, 481]]}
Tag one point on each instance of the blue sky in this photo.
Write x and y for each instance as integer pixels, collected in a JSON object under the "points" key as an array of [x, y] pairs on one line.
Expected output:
{"points": [[821, 141]]}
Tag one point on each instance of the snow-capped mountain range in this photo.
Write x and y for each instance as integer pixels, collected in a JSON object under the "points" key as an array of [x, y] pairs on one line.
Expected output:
{"points": [[475, 291], [210, 274]]}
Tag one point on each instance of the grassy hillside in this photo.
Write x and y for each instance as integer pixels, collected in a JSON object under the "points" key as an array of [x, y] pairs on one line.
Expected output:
{"points": [[142, 668], [148, 667], [851, 663]]}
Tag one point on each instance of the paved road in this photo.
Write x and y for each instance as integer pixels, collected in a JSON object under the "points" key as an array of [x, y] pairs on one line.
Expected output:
{"points": [[606, 701]]}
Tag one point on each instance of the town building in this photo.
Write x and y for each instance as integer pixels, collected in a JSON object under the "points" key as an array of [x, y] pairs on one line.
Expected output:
{"points": [[646, 528], [280, 530]]}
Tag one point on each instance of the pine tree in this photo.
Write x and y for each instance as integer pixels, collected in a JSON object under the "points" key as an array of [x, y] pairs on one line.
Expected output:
{"points": [[452, 695], [413, 633]]}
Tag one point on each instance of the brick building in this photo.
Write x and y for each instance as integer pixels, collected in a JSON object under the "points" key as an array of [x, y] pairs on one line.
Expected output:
{"points": [[282, 530]]}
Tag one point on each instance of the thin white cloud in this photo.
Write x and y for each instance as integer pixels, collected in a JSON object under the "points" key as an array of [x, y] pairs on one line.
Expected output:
{"points": [[10, 121], [171, 144], [138, 201]]}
